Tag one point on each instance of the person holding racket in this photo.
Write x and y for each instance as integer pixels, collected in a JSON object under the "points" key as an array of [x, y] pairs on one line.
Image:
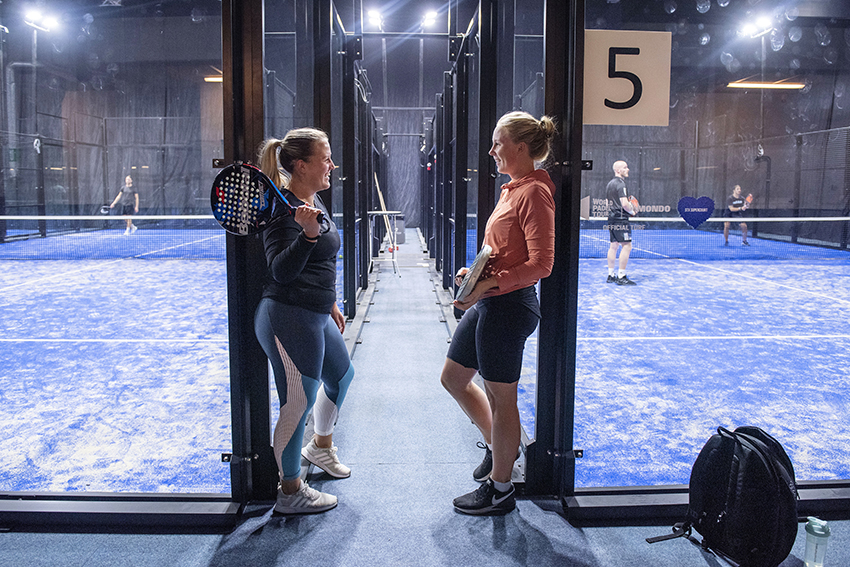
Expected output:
{"points": [[298, 322], [502, 310], [735, 207], [129, 198], [620, 208]]}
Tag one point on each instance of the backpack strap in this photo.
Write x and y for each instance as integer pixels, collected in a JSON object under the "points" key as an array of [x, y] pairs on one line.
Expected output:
{"points": [[681, 529]]}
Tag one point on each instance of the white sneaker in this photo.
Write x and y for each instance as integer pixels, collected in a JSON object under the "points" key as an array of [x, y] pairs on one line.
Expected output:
{"points": [[133, 229], [325, 459], [305, 501], [126, 231]]}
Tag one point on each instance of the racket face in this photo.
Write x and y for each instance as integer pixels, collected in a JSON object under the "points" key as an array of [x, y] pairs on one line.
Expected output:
{"points": [[749, 198], [241, 200], [471, 277], [635, 204]]}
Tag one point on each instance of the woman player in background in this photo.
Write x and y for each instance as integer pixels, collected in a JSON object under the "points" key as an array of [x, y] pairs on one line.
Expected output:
{"points": [[129, 198], [502, 310], [298, 322]]}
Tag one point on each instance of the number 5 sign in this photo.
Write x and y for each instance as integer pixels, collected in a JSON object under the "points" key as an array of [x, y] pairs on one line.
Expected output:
{"points": [[627, 77]]}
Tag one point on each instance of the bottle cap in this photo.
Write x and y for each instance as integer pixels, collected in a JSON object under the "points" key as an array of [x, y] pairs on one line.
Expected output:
{"points": [[817, 527]]}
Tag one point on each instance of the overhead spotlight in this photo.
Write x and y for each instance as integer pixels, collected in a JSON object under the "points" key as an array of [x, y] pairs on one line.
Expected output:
{"points": [[375, 18], [33, 15], [749, 30], [760, 27], [429, 19], [36, 19]]}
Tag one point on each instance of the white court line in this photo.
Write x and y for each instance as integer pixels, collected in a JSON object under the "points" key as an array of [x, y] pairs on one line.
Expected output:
{"points": [[100, 264], [718, 338], [180, 245], [6, 340], [730, 272]]}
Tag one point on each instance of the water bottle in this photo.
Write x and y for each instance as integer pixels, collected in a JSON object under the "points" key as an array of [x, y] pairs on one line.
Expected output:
{"points": [[817, 535]]}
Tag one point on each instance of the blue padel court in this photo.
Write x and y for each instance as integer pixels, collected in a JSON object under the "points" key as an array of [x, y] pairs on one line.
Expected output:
{"points": [[114, 371]]}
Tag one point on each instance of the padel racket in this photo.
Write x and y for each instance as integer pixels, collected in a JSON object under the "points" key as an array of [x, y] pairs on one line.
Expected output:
{"points": [[104, 210], [633, 200], [474, 272], [242, 199], [748, 201]]}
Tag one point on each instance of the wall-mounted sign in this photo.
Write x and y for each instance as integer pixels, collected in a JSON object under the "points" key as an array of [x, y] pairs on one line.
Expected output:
{"points": [[627, 77]]}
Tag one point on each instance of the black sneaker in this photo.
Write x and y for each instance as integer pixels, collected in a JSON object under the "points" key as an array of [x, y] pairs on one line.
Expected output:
{"points": [[482, 472], [611, 279], [625, 281], [486, 501], [745, 243]]}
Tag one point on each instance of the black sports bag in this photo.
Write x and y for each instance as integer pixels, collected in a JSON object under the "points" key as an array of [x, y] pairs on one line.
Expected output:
{"points": [[742, 498]]}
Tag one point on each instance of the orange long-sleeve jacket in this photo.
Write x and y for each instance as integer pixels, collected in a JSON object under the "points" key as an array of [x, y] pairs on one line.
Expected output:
{"points": [[521, 231]]}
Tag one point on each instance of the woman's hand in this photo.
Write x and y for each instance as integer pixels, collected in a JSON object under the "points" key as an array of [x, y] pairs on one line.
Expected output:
{"points": [[308, 218], [459, 275], [338, 318], [480, 290]]}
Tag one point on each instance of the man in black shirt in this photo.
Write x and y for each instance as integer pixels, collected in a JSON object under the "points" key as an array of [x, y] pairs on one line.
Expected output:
{"points": [[619, 210], [735, 207]]}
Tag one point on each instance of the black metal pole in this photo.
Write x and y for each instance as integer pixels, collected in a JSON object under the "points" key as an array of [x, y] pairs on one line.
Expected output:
{"points": [[254, 474], [551, 469], [350, 171]]}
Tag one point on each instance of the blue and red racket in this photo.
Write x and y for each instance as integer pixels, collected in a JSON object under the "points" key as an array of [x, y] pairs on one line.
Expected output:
{"points": [[242, 199]]}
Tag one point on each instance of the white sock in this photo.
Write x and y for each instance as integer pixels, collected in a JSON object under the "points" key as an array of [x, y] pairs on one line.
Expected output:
{"points": [[502, 486], [489, 446], [325, 413], [622, 273], [612, 272]]}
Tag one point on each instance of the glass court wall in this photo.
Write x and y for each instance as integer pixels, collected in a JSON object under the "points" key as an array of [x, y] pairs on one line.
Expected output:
{"points": [[729, 324], [113, 341]]}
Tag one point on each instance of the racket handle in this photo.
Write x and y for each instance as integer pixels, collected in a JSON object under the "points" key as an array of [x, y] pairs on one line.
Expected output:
{"points": [[320, 217]]}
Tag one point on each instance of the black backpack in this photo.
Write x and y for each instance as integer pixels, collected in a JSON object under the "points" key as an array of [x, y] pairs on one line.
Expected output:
{"points": [[742, 498]]}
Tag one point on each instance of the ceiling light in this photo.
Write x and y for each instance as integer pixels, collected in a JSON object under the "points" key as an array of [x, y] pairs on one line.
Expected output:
{"points": [[758, 85], [375, 18]]}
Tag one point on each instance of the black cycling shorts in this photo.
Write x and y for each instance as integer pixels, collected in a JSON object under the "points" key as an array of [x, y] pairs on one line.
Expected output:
{"points": [[491, 335]]}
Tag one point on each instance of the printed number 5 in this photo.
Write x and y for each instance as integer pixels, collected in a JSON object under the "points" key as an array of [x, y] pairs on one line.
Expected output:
{"points": [[614, 74]]}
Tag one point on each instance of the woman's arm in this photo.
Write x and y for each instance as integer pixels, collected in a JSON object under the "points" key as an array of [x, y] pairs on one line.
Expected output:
{"points": [[287, 249], [535, 213]]}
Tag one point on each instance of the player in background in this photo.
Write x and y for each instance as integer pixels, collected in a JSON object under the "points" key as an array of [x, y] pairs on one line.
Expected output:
{"points": [[735, 207], [619, 230]]}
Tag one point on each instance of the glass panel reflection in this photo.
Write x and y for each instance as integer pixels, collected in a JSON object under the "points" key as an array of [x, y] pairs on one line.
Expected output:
{"points": [[735, 318], [114, 364]]}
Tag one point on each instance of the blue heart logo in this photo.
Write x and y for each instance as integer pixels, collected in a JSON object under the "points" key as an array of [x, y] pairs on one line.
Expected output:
{"points": [[695, 211]]}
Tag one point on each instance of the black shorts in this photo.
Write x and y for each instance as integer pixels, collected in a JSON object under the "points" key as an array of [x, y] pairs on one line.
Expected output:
{"points": [[491, 335], [128, 210], [620, 230]]}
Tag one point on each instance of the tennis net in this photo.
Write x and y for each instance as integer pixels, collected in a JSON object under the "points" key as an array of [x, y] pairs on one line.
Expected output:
{"points": [[79, 237], [768, 238]]}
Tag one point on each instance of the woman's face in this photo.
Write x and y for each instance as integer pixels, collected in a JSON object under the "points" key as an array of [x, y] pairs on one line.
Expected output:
{"points": [[318, 167], [505, 151]]}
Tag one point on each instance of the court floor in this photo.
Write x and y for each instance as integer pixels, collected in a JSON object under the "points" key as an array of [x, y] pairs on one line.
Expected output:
{"points": [[696, 345], [114, 372]]}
